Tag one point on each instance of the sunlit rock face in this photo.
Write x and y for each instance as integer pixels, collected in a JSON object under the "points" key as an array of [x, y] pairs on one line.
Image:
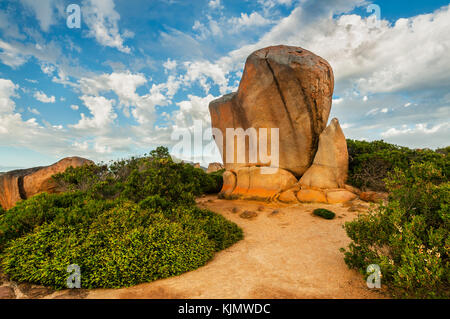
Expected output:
{"points": [[24, 183]]}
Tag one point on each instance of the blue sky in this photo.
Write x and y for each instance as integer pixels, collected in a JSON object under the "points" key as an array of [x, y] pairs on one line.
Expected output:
{"points": [[136, 70]]}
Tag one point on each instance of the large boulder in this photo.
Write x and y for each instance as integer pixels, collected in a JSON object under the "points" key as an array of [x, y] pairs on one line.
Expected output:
{"points": [[330, 167], [22, 184], [282, 87]]}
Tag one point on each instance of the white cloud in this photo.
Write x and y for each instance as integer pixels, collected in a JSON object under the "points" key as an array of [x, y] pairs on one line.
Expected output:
{"points": [[34, 111], [170, 64], [201, 71], [421, 135], [11, 55], [195, 108], [42, 97], [124, 85], [215, 4], [47, 68], [7, 92], [247, 21], [103, 22], [338, 101], [74, 107], [102, 113]]}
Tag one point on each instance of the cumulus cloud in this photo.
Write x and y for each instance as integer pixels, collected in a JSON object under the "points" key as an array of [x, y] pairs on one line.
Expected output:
{"points": [[420, 135], [42, 97], [103, 22], [124, 85], [248, 21], [7, 92], [102, 113], [202, 71]]}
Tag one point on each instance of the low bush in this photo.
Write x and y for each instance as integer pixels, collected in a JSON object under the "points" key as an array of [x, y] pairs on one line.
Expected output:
{"points": [[125, 223], [371, 162], [409, 238], [324, 213]]}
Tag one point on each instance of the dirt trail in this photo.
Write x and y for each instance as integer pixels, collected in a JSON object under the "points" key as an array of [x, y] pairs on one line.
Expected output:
{"points": [[290, 254]]}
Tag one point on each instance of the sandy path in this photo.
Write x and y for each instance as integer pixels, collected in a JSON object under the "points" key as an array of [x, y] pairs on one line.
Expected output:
{"points": [[291, 254]]}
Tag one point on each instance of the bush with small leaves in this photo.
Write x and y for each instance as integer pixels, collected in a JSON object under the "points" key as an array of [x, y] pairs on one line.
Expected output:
{"points": [[324, 213], [409, 238], [129, 222]]}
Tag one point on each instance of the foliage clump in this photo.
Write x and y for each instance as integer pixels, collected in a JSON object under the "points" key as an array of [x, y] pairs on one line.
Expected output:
{"points": [[129, 222], [324, 213], [409, 238], [371, 162]]}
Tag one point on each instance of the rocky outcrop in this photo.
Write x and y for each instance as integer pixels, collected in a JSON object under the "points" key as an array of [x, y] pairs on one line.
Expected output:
{"points": [[22, 184], [330, 167], [289, 89], [214, 167], [282, 87]]}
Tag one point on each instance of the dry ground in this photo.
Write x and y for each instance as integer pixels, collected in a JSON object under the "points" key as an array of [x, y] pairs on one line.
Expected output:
{"points": [[287, 254]]}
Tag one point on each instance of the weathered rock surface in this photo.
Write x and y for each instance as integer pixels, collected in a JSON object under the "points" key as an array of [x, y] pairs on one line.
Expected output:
{"points": [[252, 183], [22, 184], [311, 196], [290, 89], [289, 196], [282, 87], [373, 197], [214, 167], [330, 167], [7, 292], [339, 196]]}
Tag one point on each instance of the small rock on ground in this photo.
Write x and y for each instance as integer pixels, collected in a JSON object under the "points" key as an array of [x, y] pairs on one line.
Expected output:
{"points": [[248, 214]]}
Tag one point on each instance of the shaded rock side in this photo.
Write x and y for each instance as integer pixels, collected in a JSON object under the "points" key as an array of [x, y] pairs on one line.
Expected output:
{"points": [[282, 87], [330, 167], [22, 184]]}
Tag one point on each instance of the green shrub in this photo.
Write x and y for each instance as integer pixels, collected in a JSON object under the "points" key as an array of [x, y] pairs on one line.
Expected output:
{"points": [[410, 237], [123, 246], [66, 208], [129, 222], [324, 213], [371, 162], [137, 178]]}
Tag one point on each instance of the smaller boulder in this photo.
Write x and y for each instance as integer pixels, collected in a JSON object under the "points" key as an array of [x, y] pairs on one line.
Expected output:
{"points": [[373, 197], [330, 167], [340, 196], [311, 196], [289, 196]]}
